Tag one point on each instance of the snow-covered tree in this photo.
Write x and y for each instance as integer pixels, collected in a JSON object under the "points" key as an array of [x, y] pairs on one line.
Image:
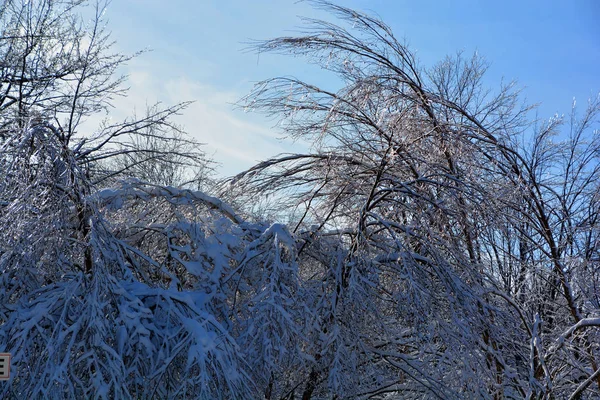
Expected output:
{"points": [[459, 248], [441, 244], [88, 310]]}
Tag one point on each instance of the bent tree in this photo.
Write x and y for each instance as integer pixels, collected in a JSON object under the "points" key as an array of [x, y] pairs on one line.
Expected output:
{"points": [[78, 315], [449, 242], [441, 244]]}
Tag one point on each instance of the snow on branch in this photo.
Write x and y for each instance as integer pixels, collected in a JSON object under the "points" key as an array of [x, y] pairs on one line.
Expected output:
{"points": [[135, 190]]}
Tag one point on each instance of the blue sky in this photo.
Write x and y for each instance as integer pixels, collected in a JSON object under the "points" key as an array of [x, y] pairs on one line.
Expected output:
{"points": [[552, 48]]}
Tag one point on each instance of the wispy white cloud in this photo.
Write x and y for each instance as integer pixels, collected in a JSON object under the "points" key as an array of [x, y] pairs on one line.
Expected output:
{"points": [[231, 137], [237, 142]]}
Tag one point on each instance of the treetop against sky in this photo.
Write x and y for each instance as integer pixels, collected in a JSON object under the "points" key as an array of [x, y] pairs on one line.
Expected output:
{"points": [[435, 240], [551, 48]]}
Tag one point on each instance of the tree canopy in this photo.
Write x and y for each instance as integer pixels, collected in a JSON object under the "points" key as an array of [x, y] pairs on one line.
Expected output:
{"points": [[440, 243]]}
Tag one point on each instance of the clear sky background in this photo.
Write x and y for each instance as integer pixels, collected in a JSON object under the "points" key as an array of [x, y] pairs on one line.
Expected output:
{"points": [[552, 48]]}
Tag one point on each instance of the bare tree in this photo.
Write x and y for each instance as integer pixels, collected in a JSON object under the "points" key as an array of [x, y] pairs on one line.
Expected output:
{"points": [[443, 244], [80, 314], [159, 154], [450, 228]]}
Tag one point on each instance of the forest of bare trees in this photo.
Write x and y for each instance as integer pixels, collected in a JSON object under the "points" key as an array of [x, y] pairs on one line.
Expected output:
{"points": [[440, 240]]}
